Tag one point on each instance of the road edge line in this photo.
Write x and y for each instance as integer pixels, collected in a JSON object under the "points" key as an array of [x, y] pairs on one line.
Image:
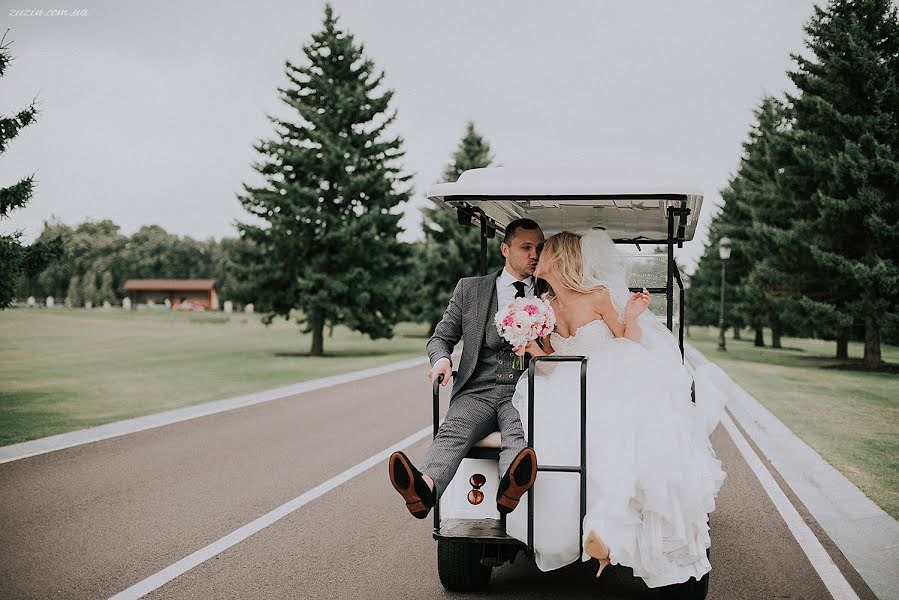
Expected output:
{"points": [[820, 560]]}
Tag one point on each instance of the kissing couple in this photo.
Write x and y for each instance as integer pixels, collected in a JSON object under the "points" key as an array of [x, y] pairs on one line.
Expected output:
{"points": [[652, 475]]}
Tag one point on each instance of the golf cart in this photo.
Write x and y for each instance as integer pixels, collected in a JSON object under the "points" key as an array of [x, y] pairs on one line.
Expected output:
{"points": [[472, 536]]}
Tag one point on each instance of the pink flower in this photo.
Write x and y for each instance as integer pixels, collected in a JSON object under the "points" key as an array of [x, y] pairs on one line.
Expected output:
{"points": [[524, 319]]}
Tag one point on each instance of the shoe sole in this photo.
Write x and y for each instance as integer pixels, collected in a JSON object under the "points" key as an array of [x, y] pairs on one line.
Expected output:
{"points": [[413, 501], [512, 496]]}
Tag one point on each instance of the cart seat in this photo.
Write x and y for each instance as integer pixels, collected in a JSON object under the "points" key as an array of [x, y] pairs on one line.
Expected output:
{"points": [[494, 440], [488, 447]]}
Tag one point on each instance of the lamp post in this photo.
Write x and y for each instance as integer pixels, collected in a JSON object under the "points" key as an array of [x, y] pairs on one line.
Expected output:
{"points": [[724, 246]]}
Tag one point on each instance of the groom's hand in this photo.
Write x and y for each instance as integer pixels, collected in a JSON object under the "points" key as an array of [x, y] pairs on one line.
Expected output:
{"points": [[441, 368]]}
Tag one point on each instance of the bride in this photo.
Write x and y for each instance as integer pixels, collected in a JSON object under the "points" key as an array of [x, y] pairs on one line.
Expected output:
{"points": [[652, 476]]}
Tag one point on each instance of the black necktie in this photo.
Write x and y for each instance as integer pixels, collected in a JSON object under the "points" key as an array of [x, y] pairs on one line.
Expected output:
{"points": [[519, 287]]}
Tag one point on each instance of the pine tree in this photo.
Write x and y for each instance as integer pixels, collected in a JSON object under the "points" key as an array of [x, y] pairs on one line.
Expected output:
{"points": [[702, 301], [332, 184], [451, 251], [755, 289], [741, 308], [769, 290], [841, 169], [732, 221], [15, 259]]}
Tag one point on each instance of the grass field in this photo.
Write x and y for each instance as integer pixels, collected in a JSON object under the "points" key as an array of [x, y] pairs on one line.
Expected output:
{"points": [[850, 417], [66, 369]]}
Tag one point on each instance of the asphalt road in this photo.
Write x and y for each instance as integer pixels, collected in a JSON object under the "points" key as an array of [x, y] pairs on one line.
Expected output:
{"points": [[91, 521]]}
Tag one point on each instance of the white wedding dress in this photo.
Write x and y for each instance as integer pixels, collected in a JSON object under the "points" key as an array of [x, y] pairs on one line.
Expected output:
{"points": [[652, 474]]}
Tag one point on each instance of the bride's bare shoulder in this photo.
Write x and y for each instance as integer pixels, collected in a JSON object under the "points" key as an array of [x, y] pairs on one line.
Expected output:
{"points": [[601, 302], [600, 295]]}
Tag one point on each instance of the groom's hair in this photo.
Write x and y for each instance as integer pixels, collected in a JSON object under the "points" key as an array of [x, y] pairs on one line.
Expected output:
{"points": [[517, 224]]}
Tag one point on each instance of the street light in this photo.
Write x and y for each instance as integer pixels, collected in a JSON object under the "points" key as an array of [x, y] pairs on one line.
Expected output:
{"points": [[724, 246]]}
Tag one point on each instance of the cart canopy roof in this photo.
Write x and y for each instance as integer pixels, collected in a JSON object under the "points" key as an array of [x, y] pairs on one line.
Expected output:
{"points": [[630, 205]]}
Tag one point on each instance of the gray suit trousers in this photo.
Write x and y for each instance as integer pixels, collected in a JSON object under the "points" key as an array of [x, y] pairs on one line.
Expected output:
{"points": [[469, 419]]}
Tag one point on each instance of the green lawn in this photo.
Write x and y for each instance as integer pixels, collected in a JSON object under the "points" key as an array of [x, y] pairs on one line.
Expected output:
{"points": [[850, 417], [66, 369]]}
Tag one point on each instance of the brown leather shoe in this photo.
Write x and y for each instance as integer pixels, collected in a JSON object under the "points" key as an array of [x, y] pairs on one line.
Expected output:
{"points": [[517, 481], [407, 480]]}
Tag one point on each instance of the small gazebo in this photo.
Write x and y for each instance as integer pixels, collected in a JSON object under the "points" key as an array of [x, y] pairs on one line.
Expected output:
{"points": [[199, 292]]}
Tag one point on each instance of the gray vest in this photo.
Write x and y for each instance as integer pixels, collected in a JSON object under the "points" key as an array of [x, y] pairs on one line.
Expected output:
{"points": [[493, 376]]}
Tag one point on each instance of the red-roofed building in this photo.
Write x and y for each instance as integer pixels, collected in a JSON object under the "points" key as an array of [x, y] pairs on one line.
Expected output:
{"points": [[201, 292]]}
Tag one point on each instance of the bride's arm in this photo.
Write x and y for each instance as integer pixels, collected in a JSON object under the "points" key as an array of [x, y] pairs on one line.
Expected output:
{"points": [[628, 327], [547, 345], [607, 312], [638, 303], [534, 350], [632, 329]]}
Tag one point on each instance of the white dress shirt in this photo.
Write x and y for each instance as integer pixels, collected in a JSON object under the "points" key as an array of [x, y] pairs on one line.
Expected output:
{"points": [[505, 291]]}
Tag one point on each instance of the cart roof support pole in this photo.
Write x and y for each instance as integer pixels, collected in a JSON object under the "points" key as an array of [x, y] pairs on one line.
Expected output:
{"points": [[484, 227], [669, 295]]}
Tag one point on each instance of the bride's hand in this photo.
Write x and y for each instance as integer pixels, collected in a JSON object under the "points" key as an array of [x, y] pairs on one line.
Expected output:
{"points": [[530, 348], [639, 301]]}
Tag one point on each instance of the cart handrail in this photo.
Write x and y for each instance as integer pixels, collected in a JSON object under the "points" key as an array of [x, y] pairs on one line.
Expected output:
{"points": [[582, 469]]}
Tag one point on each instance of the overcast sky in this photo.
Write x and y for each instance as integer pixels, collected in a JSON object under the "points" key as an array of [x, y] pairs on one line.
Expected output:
{"points": [[149, 110]]}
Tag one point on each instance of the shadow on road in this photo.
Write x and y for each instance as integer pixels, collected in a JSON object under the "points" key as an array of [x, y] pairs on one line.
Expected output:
{"points": [[523, 579]]}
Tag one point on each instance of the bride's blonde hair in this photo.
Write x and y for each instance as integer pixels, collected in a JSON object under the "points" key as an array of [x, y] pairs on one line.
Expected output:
{"points": [[566, 261]]}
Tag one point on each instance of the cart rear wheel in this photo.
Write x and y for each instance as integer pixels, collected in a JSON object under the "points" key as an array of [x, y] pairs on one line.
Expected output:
{"points": [[459, 566]]}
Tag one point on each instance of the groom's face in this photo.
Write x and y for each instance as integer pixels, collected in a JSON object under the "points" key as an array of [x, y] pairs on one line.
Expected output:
{"points": [[522, 251]]}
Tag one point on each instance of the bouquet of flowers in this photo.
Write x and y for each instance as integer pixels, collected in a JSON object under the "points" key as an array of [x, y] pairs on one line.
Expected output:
{"points": [[523, 320]]}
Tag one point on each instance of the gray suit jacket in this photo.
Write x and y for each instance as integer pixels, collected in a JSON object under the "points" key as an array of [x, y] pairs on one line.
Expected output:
{"points": [[465, 319]]}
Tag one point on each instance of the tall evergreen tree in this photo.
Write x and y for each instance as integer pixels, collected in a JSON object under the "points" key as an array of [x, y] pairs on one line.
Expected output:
{"points": [[451, 251], [15, 259], [704, 296], [841, 167], [332, 182], [769, 291], [732, 221], [748, 198]]}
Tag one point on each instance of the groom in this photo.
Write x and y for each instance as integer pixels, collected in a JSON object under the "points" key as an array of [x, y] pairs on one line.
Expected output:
{"points": [[481, 401]]}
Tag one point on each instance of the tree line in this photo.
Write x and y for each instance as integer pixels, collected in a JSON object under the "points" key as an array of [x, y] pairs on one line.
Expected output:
{"points": [[97, 260], [813, 209]]}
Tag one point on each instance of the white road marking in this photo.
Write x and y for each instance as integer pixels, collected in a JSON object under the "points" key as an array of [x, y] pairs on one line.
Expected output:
{"points": [[187, 563], [830, 574], [119, 428]]}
